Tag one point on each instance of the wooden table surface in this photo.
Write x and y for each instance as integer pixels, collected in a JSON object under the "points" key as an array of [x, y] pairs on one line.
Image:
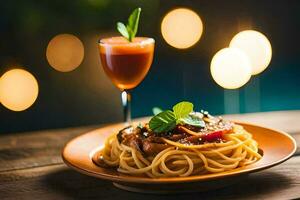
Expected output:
{"points": [[31, 168]]}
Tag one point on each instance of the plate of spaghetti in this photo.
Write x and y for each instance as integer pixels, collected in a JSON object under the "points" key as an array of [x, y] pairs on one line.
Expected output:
{"points": [[177, 150]]}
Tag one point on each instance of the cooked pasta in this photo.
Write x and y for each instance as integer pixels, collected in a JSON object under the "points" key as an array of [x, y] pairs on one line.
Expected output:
{"points": [[179, 143]]}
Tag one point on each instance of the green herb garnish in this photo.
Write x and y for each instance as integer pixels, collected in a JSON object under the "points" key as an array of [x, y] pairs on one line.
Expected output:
{"points": [[129, 31], [156, 110], [162, 122], [182, 109], [167, 120], [193, 121]]}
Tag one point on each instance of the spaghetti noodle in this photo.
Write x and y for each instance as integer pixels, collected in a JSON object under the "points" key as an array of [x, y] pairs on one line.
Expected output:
{"points": [[180, 152]]}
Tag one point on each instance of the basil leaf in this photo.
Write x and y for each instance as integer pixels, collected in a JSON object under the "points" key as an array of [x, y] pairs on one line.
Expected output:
{"points": [[182, 109], [193, 121], [156, 110], [163, 122], [123, 30], [133, 23]]}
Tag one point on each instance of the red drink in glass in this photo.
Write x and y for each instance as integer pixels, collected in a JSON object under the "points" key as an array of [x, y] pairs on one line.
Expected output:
{"points": [[126, 63]]}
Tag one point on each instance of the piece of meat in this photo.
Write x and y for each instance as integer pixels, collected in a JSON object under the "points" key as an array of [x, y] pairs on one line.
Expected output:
{"points": [[128, 131], [151, 148], [154, 139], [176, 137], [194, 139], [133, 141], [131, 137]]}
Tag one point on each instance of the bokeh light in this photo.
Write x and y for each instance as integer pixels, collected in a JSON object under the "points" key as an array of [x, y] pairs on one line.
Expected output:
{"points": [[181, 28], [230, 68], [65, 52], [256, 46], [18, 89]]}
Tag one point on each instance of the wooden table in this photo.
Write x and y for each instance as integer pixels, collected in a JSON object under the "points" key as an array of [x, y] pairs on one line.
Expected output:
{"points": [[31, 168]]}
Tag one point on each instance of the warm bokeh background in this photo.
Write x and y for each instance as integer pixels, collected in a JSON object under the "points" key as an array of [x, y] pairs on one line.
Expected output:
{"points": [[86, 96]]}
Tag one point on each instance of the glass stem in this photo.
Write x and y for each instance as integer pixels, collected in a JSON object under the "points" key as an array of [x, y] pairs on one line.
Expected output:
{"points": [[126, 102]]}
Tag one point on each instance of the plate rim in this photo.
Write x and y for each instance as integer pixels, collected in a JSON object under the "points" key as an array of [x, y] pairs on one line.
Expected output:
{"points": [[168, 180]]}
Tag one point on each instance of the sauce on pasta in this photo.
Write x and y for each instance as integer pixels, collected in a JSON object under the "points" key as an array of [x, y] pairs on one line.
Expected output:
{"points": [[185, 150]]}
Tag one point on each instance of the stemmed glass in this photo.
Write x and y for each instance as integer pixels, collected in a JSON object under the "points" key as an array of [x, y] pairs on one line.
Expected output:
{"points": [[126, 64]]}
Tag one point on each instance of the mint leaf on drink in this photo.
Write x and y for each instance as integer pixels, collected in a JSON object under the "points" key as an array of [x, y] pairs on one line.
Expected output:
{"points": [[129, 31], [122, 29], [133, 23]]}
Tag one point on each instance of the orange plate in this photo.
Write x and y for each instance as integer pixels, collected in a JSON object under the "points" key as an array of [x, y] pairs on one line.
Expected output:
{"points": [[277, 147]]}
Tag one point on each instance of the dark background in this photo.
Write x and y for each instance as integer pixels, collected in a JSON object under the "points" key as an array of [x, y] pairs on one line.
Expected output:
{"points": [[86, 96]]}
